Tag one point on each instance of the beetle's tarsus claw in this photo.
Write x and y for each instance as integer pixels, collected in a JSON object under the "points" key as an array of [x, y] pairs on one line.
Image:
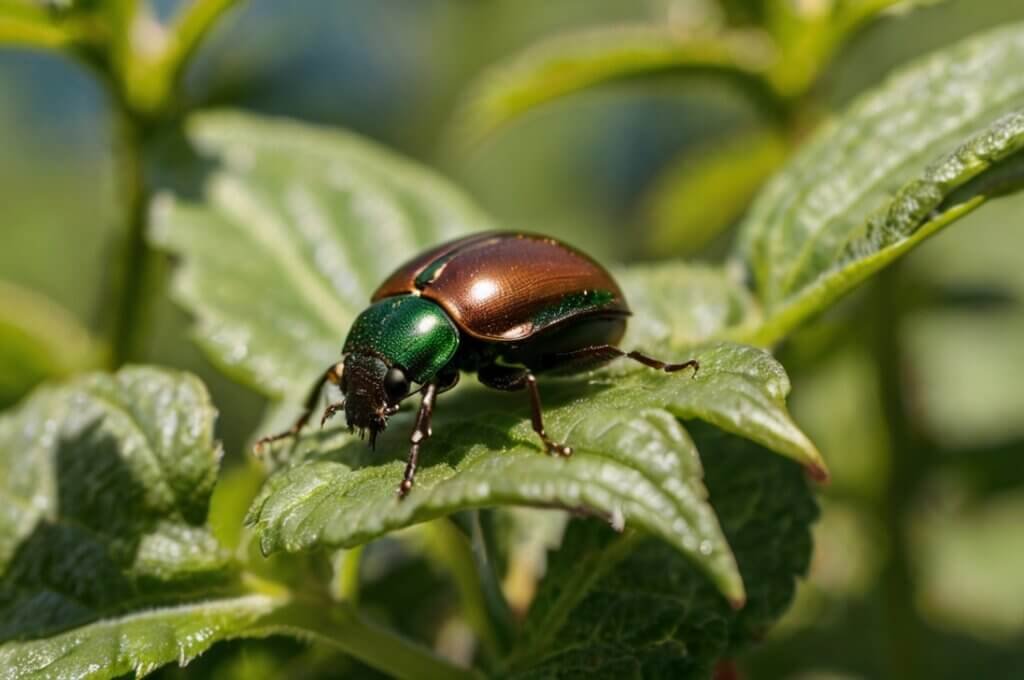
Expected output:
{"points": [[404, 488]]}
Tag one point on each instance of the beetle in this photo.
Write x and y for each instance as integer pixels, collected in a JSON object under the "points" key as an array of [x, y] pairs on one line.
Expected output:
{"points": [[506, 306]]}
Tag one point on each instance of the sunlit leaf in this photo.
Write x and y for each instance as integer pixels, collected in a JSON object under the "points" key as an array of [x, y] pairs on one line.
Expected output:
{"points": [[910, 157]]}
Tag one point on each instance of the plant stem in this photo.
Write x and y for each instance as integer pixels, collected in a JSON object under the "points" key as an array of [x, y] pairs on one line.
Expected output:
{"points": [[345, 586], [903, 628], [129, 279], [345, 629]]}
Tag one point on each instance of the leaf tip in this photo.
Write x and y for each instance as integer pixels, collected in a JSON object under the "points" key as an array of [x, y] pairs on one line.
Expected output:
{"points": [[738, 603], [818, 472]]}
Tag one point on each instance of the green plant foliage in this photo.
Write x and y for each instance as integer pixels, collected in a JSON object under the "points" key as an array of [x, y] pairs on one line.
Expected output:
{"points": [[325, 216], [286, 210], [704, 192], [38, 340], [106, 483], [575, 61], [930, 145], [630, 607]]}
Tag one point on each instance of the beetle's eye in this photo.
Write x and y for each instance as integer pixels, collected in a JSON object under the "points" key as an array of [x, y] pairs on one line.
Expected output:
{"points": [[396, 385]]}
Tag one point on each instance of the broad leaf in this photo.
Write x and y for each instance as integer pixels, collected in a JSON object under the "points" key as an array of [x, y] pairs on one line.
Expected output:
{"points": [[324, 217], [574, 61], [296, 226], [38, 340], [927, 147], [105, 486], [640, 611]]}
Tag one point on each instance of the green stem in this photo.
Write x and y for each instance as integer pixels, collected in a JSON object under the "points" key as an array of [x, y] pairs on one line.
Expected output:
{"points": [[345, 629], [447, 547], [907, 460], [345, 587], [129, 278]]}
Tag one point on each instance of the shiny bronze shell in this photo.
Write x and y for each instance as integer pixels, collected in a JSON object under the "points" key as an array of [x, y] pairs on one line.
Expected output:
{"points": [[508, 286]]}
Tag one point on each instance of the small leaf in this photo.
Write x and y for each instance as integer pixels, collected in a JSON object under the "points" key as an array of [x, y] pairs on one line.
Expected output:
{"points": [[573, 61], [639, 610], [105, 485], [927, 147], [38, 340]]}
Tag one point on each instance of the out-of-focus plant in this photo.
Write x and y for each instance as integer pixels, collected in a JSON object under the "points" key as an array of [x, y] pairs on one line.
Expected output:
{"points": [[123, 548]]}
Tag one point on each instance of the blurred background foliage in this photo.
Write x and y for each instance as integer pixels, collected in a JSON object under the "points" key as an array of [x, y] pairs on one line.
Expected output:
{"points": [[913, 388]]}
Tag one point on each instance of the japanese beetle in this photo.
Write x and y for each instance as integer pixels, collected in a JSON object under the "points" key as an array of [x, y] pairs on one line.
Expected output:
{"points": [[506, 306]]}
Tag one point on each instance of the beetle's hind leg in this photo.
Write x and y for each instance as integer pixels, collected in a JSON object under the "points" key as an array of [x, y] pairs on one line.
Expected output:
{"points": [[332, 375], [595, 355], [513, 379]]}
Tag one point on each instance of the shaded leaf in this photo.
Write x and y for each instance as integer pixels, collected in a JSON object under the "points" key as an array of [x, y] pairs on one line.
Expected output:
{"points": [[106, 564], [612, 608], [574, 61], [38, 340], [927, 147]]}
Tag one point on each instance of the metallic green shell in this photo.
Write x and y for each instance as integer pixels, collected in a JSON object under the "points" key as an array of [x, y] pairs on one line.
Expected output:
{"points": [[407, 331]]}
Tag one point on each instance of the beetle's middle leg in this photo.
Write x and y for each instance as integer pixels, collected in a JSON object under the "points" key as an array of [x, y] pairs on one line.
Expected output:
{"points": [[513, 379], [332, 375]]}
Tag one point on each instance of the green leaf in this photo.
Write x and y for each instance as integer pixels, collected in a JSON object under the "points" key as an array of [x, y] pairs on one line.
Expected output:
{"points": [[324, 215], [931, 144], [137, 643], [314, 220], [574, 61], [628, 607], [38, 340], [703, 193], [106, 564]]}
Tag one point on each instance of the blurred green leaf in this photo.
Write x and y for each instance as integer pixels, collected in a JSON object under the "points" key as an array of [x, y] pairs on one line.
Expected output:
{"points": [[38, 340], [882, 178], [970, 562], [702, 193], [969, 371], [314, 220], [574, 61], [617, 610], [28, 24]]}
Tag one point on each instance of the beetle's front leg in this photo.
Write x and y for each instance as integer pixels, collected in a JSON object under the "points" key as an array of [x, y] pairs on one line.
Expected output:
{"points": [[331, 375], [419, 434]]}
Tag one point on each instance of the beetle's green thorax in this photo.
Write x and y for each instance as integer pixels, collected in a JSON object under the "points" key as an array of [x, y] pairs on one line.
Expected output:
{"points": [[406, 331]]}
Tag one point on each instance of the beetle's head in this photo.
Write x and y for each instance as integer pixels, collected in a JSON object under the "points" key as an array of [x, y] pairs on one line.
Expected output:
{"points": [[372, 391], [393, 343]]}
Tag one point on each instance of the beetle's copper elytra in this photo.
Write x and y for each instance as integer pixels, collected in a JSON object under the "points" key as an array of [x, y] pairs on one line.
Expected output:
{"points": [[503, 305]]}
